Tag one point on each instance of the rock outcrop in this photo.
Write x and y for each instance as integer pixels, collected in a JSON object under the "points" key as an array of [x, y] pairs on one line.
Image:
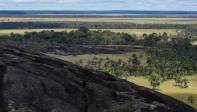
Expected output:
{"points": [[32, 82]]}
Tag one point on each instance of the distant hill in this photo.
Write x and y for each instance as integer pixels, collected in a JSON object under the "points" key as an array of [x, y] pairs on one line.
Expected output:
{"points": [[95, 12]]}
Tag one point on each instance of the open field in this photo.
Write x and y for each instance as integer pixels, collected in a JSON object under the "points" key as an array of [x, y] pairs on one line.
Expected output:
{"points": [[138, 32], [22, 31], [168, 88], [96, 15], [86, 57], [194, 43], [120, 20]]}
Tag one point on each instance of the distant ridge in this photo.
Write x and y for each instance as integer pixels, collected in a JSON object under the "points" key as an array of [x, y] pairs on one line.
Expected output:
{"points": [[94, 12]]}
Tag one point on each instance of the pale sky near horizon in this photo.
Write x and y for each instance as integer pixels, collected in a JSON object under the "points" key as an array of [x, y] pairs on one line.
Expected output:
{"points": [[166, 5]]}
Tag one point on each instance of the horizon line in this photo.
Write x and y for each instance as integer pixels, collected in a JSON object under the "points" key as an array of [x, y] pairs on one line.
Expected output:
{"points": [[102, 10]]}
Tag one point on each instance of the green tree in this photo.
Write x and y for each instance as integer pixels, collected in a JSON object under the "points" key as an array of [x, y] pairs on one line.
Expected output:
{"points": [[155, 80], [185, 83], [135, 60], [181, 82], [83, 29], [178, 80], [127, 39]]}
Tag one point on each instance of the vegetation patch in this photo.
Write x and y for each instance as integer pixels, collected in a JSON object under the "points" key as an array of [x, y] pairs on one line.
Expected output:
{"points": [[120, 20], [138, 32], [187, 95]]}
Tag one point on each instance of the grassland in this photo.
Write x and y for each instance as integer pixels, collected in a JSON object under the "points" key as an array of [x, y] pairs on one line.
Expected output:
{"points": [[138, 32], [120, 20], [168, 88], [86, 57], [194, 43], [22, 31]]}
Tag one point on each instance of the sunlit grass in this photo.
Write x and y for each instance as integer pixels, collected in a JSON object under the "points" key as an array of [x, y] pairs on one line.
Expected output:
{"points": [[169, 88], [138, 32], [86, 57], [194, 43], [103, 20], [22, 31]]}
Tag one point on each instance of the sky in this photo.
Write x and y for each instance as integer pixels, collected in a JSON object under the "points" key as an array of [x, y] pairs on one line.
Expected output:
{"points": [[163, 5]]}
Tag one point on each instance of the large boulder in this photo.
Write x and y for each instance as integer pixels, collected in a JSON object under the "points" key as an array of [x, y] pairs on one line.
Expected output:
{"points": [[32, 82]]}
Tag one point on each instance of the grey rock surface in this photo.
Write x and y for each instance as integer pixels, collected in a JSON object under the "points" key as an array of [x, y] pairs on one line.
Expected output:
{"points": [[32, 82]]}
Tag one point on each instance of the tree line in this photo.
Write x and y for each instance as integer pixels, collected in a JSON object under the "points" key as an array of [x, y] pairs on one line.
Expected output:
{"points": [[83, 36], [92, 25]]}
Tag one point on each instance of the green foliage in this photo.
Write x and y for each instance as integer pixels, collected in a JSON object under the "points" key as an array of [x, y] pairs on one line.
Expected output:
{"points": [[92, 25], [151, 40], [177, 80], [181, 82], [155, 80], [135, 60], [179, 58], [82, 36], [185, 83], [83, 29], [190, 31]]}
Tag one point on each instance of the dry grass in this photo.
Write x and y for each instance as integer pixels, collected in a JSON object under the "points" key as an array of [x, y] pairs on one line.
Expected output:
{"points": [[138, 32], [22, 31], [120, 20], [86, 57], [194, 43], [168, 88]]}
